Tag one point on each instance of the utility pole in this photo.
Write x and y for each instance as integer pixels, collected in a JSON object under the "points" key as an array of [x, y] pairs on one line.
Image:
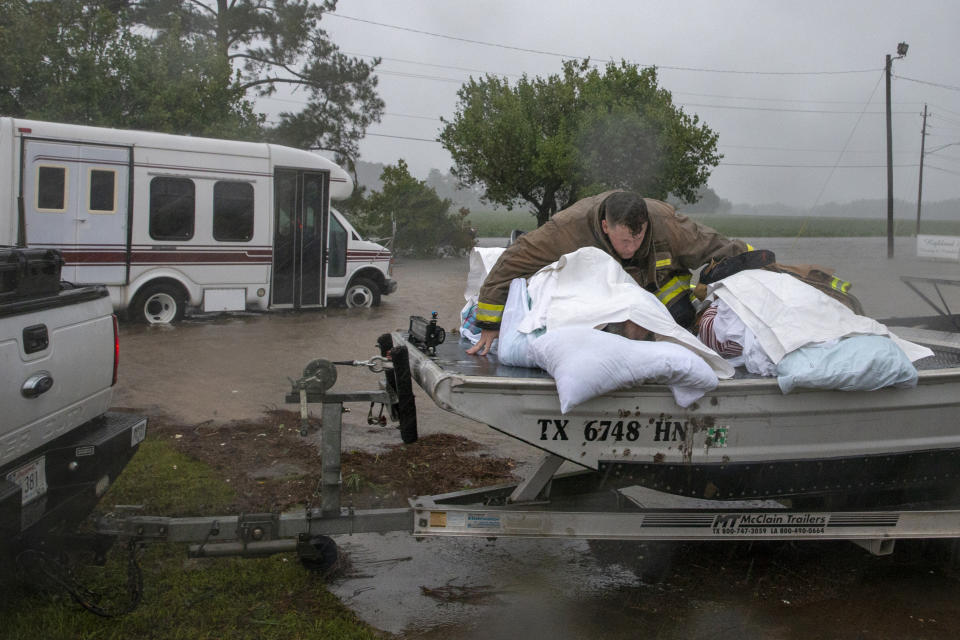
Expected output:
{"points": [[923, 140], [901, 51], [889, 166]]}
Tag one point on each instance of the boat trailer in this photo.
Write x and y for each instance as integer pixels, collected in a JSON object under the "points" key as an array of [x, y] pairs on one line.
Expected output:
{"points": [[580, 504]]}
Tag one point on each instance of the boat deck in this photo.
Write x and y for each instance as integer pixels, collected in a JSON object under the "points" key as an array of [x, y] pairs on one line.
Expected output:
{"points": [[452, 357]]}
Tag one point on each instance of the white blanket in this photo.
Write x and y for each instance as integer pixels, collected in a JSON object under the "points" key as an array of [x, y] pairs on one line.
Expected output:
{"points": [[785, 314], [589, 288]]}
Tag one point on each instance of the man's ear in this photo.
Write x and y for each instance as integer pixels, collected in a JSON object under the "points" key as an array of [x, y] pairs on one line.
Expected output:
{"points": [[604, 227]]}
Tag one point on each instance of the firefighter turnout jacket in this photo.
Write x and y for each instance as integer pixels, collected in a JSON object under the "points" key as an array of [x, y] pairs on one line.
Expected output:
{"points": [[672, 246]]}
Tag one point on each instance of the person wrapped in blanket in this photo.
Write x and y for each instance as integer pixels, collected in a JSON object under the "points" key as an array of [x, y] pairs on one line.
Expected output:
{"points": [[655, 245], [805, 333]]}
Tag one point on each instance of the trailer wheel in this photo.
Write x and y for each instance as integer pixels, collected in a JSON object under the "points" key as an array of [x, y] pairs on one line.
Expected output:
{"points": [[406, 404], [318, 554], [159, 304], [362, 293]]}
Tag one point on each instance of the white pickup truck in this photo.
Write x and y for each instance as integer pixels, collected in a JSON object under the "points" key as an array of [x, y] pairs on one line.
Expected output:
{"points": [[59, 446]]}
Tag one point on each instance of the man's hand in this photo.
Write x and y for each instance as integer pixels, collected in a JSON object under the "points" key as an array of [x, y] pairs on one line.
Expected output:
{"points": [[482, 348]]}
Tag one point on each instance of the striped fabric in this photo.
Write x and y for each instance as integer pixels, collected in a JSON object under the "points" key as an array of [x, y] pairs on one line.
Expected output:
{"points": [[728, 349]]}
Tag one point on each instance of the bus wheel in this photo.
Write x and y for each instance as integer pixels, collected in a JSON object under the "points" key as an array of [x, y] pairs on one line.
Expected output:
{"points": [[362, 293], [160, 304]]}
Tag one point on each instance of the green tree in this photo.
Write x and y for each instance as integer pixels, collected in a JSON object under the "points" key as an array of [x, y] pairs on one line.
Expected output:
{"points": [[76, 61], [705, 201], [424, 225], [549, 142], [272, 43]]}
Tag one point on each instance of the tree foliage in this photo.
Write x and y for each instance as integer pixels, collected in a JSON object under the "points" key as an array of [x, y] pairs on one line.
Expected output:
{"points": [[706, 200], [551, 141], [80, 62], [423, 222], [268, 44]]}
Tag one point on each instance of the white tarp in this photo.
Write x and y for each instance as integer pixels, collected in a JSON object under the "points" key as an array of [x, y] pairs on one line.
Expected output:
{"points": [[785, 314], [589, 288]]}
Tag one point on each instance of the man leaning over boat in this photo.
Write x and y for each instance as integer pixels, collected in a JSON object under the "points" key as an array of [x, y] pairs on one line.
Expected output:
{"points": [[656, 246]]}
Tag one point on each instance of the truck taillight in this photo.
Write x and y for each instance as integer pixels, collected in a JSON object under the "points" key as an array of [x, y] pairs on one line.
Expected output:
{"points": [[390, 266], [116, 349]]}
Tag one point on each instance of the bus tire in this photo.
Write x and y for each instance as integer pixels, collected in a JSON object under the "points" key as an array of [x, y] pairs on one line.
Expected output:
{"points": [[362, 293], [160, 303]]}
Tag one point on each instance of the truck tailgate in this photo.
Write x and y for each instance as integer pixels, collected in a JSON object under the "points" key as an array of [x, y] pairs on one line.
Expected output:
{"points": [[32, 349]]}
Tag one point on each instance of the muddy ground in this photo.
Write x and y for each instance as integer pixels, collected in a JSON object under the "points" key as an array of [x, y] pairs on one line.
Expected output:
{"points": [[215, 387], [272, 469]]}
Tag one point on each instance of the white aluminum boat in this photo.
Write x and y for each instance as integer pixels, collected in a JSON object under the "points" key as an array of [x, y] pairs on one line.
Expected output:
{"points": [[745, 439]]}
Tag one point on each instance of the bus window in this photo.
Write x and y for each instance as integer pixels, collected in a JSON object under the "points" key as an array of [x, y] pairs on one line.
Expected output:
{"points": [[103, 191], [51, 188], [172, 208], [232, 211], [337, 261]]}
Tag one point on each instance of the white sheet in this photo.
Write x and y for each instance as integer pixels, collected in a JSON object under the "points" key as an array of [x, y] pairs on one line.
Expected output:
{"points": [[482, 260], [785, 314], [589, 288]]}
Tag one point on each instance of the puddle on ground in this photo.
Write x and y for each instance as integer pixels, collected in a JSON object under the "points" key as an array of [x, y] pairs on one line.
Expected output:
{"points": [[477, 589]]}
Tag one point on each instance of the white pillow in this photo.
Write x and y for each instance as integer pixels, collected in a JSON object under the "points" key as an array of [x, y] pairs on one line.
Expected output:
{"points": [[586, 363], [857, 363]]}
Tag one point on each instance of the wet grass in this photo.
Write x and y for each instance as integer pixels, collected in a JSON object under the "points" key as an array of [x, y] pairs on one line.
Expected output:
{"points": [[185, 598]]}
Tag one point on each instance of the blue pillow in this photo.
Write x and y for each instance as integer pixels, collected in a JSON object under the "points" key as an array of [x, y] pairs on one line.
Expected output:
{"points": [[856, 363]]}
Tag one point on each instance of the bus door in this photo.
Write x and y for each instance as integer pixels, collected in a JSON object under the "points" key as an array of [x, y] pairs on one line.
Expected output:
{"points": [[301, 209], [76, 199]]}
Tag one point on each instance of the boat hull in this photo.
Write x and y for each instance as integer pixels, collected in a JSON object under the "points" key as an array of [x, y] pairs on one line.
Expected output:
{"points": [[745, 439]]}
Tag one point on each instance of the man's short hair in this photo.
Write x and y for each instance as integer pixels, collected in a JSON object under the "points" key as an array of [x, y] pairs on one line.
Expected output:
{"points": [[626, 208]]}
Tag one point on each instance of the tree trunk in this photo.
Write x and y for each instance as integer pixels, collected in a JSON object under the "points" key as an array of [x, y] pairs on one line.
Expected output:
{"points": [[546, 208]]}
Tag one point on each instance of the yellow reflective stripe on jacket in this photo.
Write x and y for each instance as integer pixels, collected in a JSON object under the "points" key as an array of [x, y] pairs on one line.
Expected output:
{"points": [[672, 288], [839, 285], [666, 262], [489, 312]]}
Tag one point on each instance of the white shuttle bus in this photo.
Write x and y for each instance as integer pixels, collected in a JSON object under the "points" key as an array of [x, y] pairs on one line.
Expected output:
{"points": [[168, 221]]}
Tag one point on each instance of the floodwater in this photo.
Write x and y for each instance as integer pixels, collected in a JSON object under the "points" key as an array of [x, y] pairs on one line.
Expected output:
{"points": [[235, 366]]}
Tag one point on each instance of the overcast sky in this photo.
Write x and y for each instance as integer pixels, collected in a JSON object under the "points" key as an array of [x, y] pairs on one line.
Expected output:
{"points": [[782, 83]]}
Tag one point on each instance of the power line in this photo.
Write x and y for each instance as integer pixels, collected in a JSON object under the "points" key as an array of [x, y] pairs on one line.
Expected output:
{"points": [[945, 118], [418, 76], [930, 166], [722, 164], [384, 135], [682, 104], [802, 149], [932, 84], [827, 111], [814, 166], [677, 93], [582, 57], [430, 64], [766, 99]]}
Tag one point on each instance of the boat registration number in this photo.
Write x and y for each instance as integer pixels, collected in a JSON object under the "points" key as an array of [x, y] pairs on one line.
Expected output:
{"points": [[32, 479]]}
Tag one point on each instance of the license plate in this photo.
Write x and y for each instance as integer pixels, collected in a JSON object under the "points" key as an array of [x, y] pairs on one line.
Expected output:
{"points": [[137, 433], [32, 478]]}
